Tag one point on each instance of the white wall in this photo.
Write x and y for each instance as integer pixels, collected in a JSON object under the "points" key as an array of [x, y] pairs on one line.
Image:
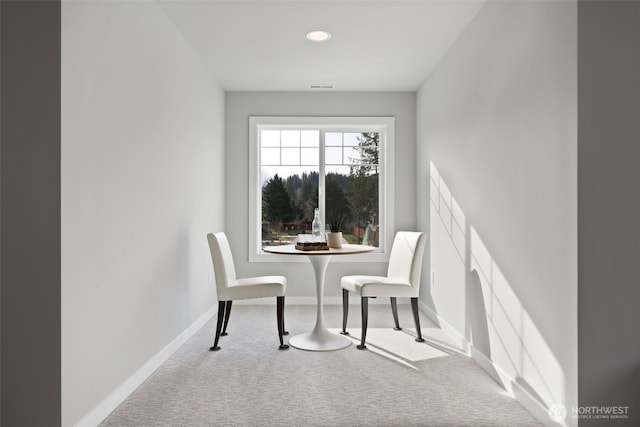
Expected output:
{"points": [[142, 184], [241, 105], [497, 188]]}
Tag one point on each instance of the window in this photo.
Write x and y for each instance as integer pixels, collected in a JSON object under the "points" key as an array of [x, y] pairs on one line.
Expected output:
{"points": [[342, 166]]}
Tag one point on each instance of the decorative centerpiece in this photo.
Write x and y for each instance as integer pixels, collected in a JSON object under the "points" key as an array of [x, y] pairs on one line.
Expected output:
{"points": [[334, 238], [317, 242], [312, 246]]}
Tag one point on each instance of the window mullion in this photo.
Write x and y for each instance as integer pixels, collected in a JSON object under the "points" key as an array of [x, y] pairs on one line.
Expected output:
{"points": [[280, 147], [321, 179]]}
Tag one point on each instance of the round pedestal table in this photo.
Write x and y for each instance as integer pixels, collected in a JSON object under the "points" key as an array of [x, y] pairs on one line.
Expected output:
{"points": [[319, 339]]}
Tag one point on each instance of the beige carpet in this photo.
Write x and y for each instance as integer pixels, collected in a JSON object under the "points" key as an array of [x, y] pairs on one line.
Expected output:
{"points": [[249, 382]]}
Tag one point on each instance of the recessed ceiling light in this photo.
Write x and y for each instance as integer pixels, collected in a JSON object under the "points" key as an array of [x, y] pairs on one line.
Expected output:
{"points": [[318, 36]]}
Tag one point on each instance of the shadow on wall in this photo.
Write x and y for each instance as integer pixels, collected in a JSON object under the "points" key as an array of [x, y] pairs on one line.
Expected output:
{"points": [[502, 337], [477, 329]]}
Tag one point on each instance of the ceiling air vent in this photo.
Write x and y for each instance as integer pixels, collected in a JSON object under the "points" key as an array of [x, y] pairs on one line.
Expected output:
{"points": [[320, 86]]}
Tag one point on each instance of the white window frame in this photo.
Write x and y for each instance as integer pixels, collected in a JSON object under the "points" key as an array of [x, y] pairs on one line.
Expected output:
{"points": [[384, 125]]}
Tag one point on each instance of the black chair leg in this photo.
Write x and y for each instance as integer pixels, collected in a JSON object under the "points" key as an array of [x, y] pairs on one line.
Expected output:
{"points": [[416, 317], [394, 310], [365, 317], [345, 311], [284, 330], [221, 306], [280, 316], [226, 318]]}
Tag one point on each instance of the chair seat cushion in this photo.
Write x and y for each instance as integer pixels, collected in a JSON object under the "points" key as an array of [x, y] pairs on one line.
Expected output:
{"points": [[377, 286], [255, 287]]}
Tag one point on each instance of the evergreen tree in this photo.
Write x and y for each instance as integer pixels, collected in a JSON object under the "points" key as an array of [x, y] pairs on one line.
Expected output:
{"points": [[277, 206], [294, 187], [309, 195], [336, 201], [362, 183], [369, 149], [362, 195]]}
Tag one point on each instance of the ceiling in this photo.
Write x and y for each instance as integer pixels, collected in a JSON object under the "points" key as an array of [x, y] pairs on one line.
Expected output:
{"points": [[375, 45]]}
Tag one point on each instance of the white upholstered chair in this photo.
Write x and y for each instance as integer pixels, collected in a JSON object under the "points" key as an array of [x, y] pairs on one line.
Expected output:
{"points": [[231, 288], [402, 280]]}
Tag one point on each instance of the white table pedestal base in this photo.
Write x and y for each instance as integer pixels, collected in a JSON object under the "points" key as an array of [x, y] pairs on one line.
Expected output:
{"points": [[320, 339], [326, 341]]}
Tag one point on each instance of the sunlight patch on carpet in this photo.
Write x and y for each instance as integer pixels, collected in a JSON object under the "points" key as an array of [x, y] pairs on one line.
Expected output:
{"points": [[399, 346]]}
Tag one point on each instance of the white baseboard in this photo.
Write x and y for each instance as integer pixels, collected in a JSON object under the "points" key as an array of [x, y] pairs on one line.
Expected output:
{"points": [[111, 402], [515, 390], [458, 339], [333, 300]]}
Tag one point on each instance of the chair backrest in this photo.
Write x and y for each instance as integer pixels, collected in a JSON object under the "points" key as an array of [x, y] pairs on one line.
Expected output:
{"points": [[405, 262], [222, 259]]}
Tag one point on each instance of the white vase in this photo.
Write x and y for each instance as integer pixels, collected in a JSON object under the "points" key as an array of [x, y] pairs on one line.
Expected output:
{"points": [[334, 240]]}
